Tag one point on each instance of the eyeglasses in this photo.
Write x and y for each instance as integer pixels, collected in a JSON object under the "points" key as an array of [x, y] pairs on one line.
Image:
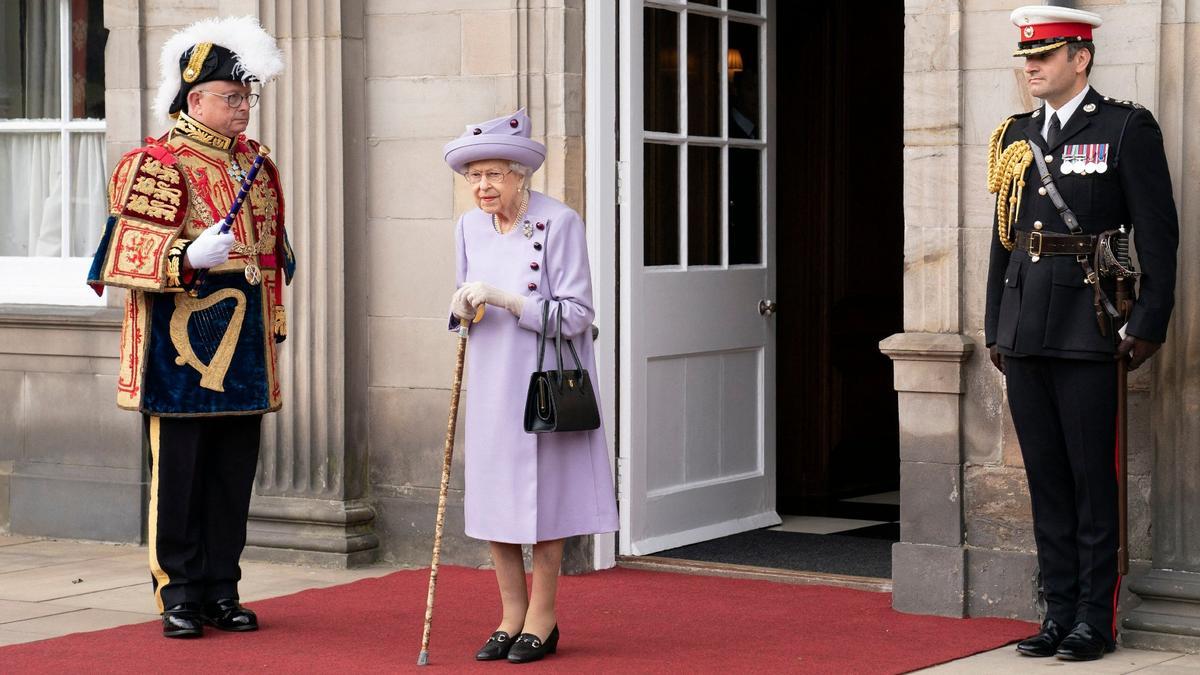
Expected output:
{"points": [[233, 100], [494, 176]]}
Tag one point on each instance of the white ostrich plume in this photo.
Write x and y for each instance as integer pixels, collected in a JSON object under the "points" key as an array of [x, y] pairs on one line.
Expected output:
{"points": [[257, 55]]}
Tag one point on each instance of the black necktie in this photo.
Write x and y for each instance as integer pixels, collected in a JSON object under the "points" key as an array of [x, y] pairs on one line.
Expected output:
{"points": [[1053, 131]]}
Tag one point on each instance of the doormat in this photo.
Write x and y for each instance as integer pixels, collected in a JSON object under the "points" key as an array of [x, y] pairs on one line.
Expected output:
{"points": [[864, 556]]}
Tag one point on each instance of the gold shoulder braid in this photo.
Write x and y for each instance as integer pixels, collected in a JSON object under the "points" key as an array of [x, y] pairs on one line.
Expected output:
{"points": [[1006, 179]]}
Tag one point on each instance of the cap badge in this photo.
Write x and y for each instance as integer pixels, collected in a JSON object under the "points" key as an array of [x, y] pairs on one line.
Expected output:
{"points": [[1027, 32], [1090, 107]]}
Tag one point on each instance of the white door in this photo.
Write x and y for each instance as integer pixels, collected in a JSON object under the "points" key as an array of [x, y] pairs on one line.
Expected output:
{"points": [[697, 353]]}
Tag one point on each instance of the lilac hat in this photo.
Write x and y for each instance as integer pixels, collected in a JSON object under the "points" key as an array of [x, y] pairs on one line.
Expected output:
{"points": [[502, 138]]}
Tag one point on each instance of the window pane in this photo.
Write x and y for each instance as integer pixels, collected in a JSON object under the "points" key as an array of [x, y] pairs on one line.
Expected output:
{"points": [[29, 60], [704, 205], [89, 184], [661, 70], [745, 208], [704, 92], [710, 3], [88, 36], [30, 194], [750, 6], [661, 226], [744, 116]]}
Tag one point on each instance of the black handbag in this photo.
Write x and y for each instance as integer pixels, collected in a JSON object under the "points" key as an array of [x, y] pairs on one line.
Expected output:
{"points": [[559, 400]]}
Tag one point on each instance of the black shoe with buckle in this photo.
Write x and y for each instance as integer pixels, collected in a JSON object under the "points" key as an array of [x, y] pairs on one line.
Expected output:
{"points": [[529, 647], [228, 614], [1083, 644], [495, 648], [183, 621], [1045, 643]]}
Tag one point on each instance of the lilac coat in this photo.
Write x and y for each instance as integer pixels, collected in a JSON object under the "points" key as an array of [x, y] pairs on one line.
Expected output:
{"points": [[524, 488]]}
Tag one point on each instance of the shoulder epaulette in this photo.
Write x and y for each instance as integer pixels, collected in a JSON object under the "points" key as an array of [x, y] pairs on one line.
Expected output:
{"points": [[1121, 103]]}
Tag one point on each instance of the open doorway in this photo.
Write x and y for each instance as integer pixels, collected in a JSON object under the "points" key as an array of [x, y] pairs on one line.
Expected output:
{"points": [[839, 252]]}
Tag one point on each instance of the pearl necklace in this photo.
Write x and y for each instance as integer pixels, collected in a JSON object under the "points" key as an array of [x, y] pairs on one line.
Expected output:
{"points": [[520, 215]]}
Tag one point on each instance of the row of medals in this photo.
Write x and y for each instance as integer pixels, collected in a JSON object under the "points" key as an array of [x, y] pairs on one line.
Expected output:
{"points": [[1084, 159], [252, 272]]}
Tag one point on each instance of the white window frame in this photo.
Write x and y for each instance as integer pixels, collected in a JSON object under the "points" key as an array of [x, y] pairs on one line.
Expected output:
{"points": [[41, 280]]}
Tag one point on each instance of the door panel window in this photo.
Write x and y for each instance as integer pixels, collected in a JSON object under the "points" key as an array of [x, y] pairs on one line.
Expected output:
{"points": [[662, 204], [704, 73], [704, 205], [661, 70], [703, 137]]}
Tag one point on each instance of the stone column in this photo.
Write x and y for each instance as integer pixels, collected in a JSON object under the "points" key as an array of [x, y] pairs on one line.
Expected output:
{"points": [[310, 496], [1169, 614], [928, 564]]}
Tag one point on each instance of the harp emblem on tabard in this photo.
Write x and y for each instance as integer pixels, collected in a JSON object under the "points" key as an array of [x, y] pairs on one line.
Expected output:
{"points": [[208, 327]]}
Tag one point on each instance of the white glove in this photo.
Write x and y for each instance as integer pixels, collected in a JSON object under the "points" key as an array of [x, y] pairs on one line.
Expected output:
{"points": [[210, 249], [460, 306], [478, 293]]}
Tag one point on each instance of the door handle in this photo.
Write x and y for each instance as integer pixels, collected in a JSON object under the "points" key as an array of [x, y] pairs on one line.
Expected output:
{"points": [[767, 307]]}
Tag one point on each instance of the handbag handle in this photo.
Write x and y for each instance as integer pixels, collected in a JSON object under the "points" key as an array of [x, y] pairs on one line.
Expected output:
{"points": [[557, 343], [558, 348], [542, 335]]}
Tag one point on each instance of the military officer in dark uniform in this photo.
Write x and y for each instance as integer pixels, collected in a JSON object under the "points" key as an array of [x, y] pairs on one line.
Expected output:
{"points": [[1049, 322]]}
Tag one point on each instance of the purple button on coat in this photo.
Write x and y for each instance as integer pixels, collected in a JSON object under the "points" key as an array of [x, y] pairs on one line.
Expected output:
{"points": [[524, 488]]}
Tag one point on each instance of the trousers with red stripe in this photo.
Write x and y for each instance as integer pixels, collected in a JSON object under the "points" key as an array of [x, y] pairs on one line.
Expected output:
{"points": [[1064, 412], [202, 474]]}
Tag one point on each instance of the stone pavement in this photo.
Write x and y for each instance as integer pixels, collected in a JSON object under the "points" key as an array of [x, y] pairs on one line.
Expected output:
{"points": [[54, 587]]}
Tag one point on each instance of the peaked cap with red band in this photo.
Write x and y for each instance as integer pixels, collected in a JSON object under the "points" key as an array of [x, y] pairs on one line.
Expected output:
{"points": [[1044, 28]]}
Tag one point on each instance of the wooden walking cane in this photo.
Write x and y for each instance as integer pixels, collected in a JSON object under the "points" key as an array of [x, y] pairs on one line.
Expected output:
{"points": [[447, 456]]}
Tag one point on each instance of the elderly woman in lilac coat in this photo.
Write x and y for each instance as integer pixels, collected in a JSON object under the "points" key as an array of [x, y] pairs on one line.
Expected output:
{"points": [[519, 250]]}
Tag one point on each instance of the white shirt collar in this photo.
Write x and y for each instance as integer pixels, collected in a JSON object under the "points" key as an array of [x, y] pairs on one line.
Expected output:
{"points": [[1065, 112]]}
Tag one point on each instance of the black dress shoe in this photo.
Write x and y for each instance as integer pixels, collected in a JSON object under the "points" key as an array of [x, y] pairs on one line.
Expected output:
{"points": [[228, 614], [183, 621], [1045, 643], [1083, 644], [495, 648], [529, 647]]}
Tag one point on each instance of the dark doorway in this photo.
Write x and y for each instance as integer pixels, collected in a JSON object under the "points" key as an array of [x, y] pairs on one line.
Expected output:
{"points": [[840, 239]]}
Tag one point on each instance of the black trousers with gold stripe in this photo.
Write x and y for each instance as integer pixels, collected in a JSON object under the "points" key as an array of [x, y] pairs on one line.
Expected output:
{"points": [[201, 475]]}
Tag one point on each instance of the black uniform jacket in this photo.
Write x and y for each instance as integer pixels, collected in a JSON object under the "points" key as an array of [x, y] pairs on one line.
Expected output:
{"points": [[1045, 308]]}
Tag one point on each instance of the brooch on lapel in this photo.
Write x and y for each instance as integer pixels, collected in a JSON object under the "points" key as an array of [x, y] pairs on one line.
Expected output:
{"points": [[527, 229]]}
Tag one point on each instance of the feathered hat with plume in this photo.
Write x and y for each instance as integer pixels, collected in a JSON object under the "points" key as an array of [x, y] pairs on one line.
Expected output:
{"points": [[230, 48]]}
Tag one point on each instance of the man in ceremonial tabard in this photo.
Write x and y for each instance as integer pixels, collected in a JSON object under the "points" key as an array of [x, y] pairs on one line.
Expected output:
{"points": [[1073, 177], [203, 314]]}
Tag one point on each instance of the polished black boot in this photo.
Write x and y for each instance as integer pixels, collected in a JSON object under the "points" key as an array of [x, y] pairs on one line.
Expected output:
{"points": [[183, 621], [228, 614], [1083, 644], [529, 647], [1045, 643], [495, 648]]}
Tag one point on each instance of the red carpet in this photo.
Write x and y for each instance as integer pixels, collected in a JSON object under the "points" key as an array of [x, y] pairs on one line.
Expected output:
{"points": [[612, 621]]}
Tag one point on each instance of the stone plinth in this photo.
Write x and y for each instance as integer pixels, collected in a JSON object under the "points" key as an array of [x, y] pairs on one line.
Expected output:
{"points": [[928, 564]]}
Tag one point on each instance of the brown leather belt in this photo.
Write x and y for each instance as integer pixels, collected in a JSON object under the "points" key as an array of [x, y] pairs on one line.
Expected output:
{"points": [[1038, 244]]}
